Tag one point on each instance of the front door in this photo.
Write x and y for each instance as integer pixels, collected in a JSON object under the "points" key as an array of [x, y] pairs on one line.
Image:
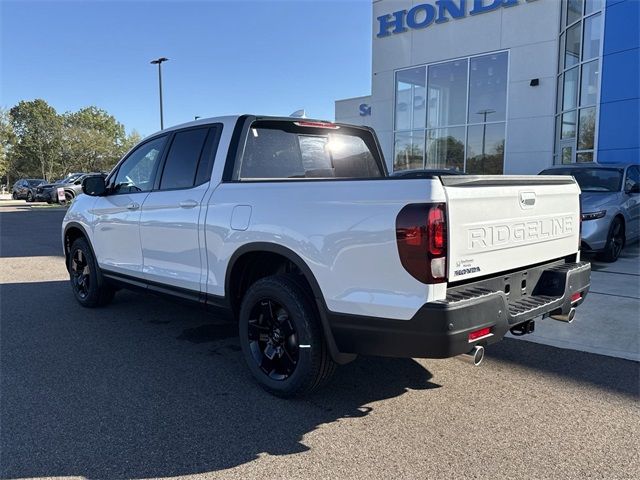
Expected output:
{"points": [[116, 231]]}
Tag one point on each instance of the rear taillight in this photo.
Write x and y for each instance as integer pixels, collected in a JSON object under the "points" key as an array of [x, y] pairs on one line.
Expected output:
{"points": [[421, 235]]}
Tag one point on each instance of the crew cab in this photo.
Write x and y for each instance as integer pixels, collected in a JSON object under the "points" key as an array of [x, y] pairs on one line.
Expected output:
{"points": [[295, 228]]}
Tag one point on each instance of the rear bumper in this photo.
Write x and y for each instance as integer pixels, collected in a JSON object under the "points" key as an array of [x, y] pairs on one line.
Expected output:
{"points": [[441, 329]]}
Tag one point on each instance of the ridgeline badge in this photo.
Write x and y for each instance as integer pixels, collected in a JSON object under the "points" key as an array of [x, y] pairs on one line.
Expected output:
{"points": [[423, 15]]}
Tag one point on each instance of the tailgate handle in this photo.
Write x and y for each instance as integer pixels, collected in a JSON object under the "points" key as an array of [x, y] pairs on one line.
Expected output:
{"points": [[527, 199]]}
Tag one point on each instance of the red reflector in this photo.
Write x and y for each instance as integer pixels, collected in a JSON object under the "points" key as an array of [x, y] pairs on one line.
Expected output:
{"points": [[318, 125], [576, 296], [479, 333]]}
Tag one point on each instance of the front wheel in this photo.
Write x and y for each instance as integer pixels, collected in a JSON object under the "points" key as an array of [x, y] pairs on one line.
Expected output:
{"points": [[29, 197], [87, 284], [14, 195], [615, 241], [281, 338]]}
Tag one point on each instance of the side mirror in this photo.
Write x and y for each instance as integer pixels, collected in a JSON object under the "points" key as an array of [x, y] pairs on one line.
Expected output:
{"points": [[94, 186]]}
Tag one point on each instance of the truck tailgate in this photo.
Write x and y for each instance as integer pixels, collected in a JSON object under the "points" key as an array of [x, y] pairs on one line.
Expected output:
{"points": [[498, 223]]}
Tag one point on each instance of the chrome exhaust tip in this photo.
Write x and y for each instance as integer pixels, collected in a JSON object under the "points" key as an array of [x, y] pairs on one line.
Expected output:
{"points": [[475, 356], [568, 318]]}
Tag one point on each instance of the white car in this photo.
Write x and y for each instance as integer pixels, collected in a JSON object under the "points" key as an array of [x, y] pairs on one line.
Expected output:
{"points": [[295, 228]]}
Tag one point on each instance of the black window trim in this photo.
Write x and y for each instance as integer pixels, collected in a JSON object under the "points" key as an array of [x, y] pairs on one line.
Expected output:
{"points": [[212, 129], [116, 169]]}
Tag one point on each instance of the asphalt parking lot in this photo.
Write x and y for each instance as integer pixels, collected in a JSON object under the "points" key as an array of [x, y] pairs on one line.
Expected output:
{"points": [[148, 388]]}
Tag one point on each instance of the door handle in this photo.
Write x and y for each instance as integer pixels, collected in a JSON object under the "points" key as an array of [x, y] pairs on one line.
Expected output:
{"points": [[133, 206], [188, 204]]}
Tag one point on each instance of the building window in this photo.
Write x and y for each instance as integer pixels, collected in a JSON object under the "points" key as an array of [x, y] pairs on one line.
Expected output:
{"points": [[452, 115], [578, 80]]}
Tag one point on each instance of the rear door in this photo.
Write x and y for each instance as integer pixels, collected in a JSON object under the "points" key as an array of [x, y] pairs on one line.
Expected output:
{"points": [[498, 223], [172, 240]]}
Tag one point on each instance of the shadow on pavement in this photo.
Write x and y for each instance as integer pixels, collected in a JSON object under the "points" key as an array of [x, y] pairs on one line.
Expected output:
{"points": [[148, 388], [609, 373], [31, 233]]}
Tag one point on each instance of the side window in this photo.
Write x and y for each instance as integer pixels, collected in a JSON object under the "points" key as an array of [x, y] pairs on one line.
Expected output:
{"points": [[208, 155], [633, 178], [137, 172], [182, 160]]}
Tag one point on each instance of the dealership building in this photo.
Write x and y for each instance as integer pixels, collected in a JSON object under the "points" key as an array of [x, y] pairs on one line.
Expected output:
{"points": [[503, 86]]}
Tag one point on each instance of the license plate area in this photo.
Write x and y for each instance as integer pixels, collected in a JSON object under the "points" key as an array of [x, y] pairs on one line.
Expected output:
{"points": [[516, 285]]}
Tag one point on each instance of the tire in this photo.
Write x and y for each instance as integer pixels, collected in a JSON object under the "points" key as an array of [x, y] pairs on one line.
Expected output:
{"points": [[14, 195], [29, 197], [615, 241], [87, 283], [68, 197], [277, 317]]}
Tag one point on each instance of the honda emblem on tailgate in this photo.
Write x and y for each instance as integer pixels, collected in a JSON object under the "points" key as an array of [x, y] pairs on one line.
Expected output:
{"points": [[527, 199]]}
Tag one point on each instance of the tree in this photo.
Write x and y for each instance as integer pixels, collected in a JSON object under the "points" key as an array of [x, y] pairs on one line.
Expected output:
{"points": [[38, 136], [7, 139], [446, 152], [36, 141], [93, 140]]}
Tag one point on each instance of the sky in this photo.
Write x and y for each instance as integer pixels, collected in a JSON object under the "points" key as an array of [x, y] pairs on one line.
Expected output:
{"points": [[225, 57]]}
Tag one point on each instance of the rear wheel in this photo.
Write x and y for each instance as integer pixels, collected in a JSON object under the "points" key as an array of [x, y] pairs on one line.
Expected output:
{"points": [[281, 338], [87, 284], [615, 241]]}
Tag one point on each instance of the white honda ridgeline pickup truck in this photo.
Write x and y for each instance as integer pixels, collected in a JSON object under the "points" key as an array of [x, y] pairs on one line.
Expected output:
{"points": [[295, 227]]}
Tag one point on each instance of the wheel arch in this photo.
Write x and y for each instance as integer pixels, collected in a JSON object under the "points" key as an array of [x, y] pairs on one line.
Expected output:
{"points": [[73, 231], [247, 251]]}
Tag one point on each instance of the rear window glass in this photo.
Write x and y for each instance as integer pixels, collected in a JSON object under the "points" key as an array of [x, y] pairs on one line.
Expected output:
{"points": [[284, 150]]}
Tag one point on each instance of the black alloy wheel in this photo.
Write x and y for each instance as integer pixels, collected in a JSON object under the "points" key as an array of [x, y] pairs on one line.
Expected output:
{"points": [[281, 336], [272, 339], [80, 273], [615, 241], [88, 285]]}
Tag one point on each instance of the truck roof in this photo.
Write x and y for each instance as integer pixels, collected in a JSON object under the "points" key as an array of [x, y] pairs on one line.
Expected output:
{"points": [[231, 119]]}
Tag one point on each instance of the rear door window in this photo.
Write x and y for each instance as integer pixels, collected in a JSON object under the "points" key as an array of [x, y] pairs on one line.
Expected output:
{"points": [[299, 150], [182, 160]]}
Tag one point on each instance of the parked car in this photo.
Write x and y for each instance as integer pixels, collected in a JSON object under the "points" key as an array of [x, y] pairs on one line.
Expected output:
{"points": [[24, 189], [72, 185], [610, 203], [295, 228]]}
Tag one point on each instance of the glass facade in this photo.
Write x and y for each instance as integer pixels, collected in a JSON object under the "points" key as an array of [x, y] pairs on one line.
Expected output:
{"points": [[452, 115], [578, 80]]}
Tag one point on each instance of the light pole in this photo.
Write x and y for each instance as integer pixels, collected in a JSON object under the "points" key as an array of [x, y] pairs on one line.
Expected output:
{"points": [[484, 114], [159, 63]]}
